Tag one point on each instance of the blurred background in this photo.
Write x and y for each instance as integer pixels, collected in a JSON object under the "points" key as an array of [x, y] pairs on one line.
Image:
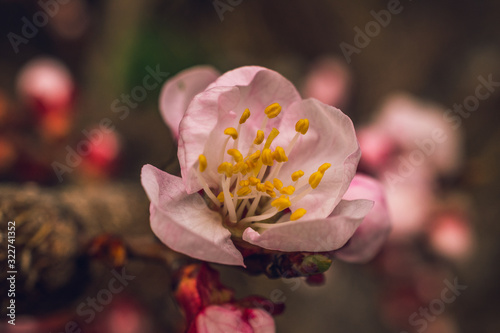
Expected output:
{"points": [[78, 121]]}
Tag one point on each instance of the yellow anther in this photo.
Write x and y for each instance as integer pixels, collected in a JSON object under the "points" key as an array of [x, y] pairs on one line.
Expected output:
{"points": [[244, 183], [254, 157], [260, 187], [220, 197], [245, 116], [273, 110], [281, 203], [302, 126], [315, 179], [269, 186], [240, 167], [235, 153], [277, 183], [324, 167], [297, 174], [203, 162], [287, 190], [279, 155], [298, 214], [267, 157], [244, 191], [250, 165], [253, 181], [274, 133], [259, 138], [225, 168], [232, 132]]}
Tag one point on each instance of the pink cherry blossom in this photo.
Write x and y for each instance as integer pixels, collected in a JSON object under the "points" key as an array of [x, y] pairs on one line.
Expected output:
{"points": [[409, 128], [409, 144], [210, 306], [258, 163], [410, 203], [373, 231], [378, 149], [230, 318]]}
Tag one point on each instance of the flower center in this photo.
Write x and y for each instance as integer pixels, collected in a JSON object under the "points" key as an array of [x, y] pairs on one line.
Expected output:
{"points": [[249, 191]]}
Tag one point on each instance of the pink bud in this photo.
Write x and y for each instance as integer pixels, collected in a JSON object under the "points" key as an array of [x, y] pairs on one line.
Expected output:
{"points": [[450, 235], [229, 318], [328, 81], [377, 148], [45, 85], [125, 316], [104, 152], [373, 231]]}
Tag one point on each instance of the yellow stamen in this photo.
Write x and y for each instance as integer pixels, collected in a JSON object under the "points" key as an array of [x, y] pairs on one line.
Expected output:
{"points": [[203, 162], [252, 160], [315, 179], [254, 157], [273, 110], [297, 174], [235, 153], [260, 187], [270, 189], [279, 155], [232, 132], [254, 181], [251, 173], [277, 183], [324, 167], [302, 126], [220, 197], [259, 138], [267, 157], [274, 133], [269, 186], [250, 165], [287, 190], [240, 167], [245, 116], [281, 203], [297, 214], [225, 168], [244, 191]]}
